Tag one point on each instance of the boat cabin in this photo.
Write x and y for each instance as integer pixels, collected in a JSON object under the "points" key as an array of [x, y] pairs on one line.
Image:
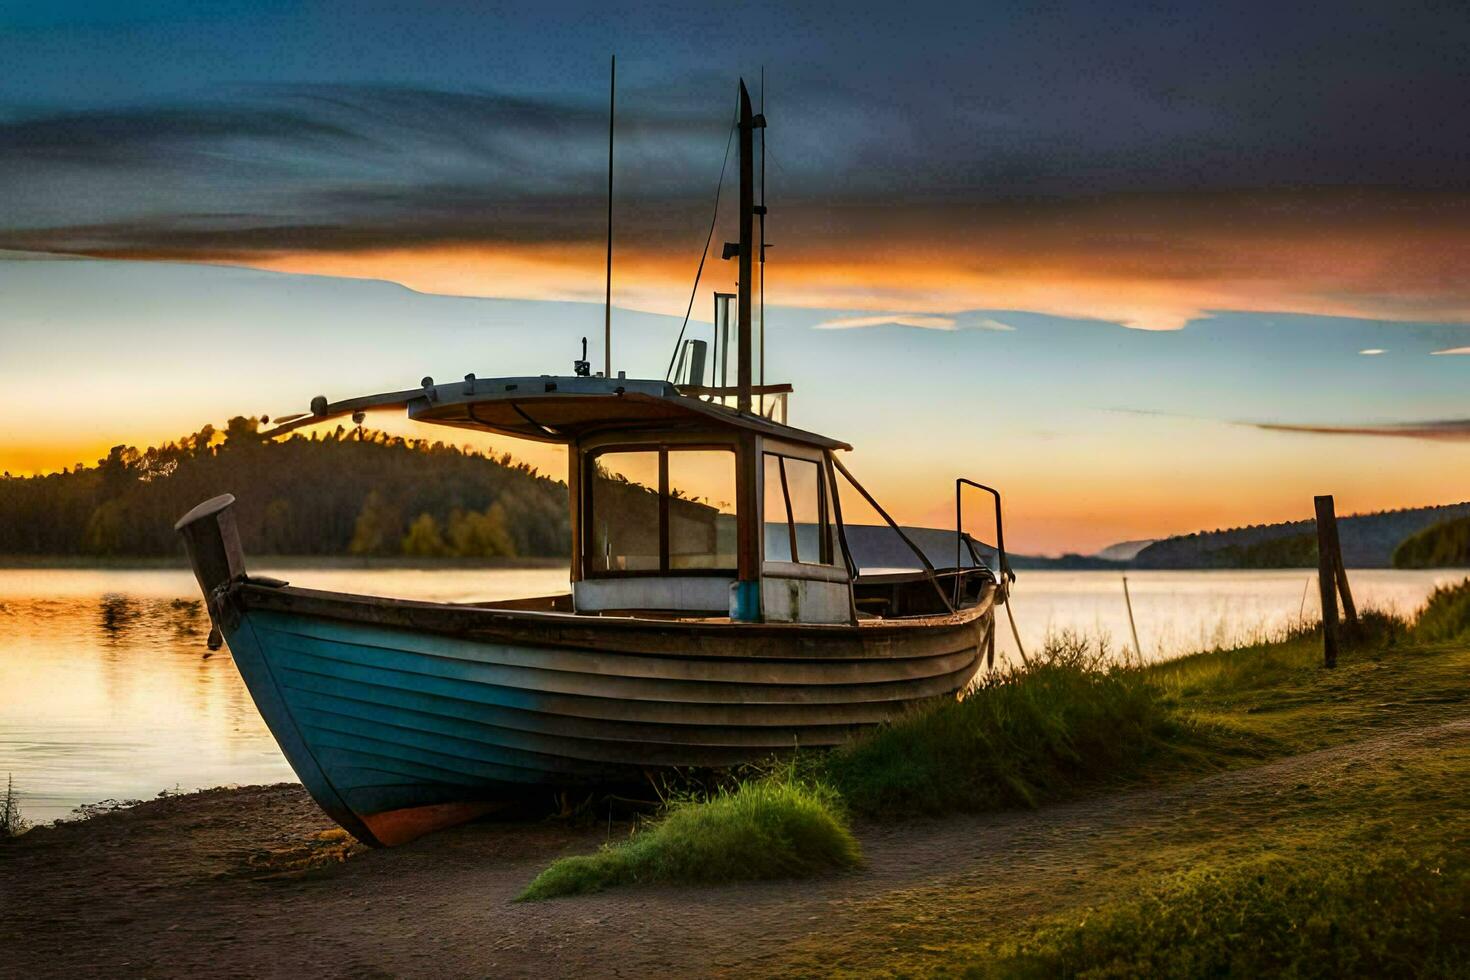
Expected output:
{"points": [[683, 506], [711, 517]]}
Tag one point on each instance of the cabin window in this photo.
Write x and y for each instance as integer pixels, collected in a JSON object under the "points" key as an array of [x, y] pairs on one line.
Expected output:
{"points": [[701, 508], [625, 512], [796, 522], [661, 510]]}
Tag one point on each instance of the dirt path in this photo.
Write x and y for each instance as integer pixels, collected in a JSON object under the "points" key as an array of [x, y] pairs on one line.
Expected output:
{"points": [[174, 886]]}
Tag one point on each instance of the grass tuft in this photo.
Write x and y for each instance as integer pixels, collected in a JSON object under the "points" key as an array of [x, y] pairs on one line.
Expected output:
{"points": [[772, 828], [1022, 737], [1446, 615], [1402, 913], [12, 824]]}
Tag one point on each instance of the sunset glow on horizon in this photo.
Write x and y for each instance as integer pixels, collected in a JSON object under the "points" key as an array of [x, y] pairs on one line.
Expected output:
{"points": [[1096, 432]]}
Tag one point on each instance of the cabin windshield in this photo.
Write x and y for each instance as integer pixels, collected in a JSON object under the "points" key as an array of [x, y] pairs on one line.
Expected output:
{"points": [[797, 526], [663, 509]]}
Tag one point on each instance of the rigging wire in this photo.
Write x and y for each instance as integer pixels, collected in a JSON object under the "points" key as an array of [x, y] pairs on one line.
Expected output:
{"points": [[714, 219]]}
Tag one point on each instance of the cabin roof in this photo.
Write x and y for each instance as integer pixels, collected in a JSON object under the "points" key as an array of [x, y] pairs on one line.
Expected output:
{"points": [[549, 408]]}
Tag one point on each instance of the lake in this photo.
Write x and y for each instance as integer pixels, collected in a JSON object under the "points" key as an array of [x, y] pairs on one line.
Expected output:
{"points": [[107, 690]]}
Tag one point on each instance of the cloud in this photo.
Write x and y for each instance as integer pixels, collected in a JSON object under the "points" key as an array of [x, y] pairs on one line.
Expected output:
{"points": [[1452, 430], [1443, 430], [1453, 350], [924, 321], [358, 179], [1372, 351]]}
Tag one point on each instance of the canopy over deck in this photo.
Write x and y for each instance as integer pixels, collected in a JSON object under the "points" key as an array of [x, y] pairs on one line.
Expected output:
{"points": [[548, 408]]}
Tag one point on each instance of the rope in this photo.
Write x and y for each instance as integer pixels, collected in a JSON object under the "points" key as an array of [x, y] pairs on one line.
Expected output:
{"points": [[1015, 632], [713, 220]]}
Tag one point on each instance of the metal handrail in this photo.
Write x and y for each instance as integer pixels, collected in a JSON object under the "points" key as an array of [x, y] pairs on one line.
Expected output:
{"points": [[1005, 575], [918, 552]]}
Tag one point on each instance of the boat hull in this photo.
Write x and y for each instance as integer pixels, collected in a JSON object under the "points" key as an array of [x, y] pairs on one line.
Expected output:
{"points": [[402, 717]]}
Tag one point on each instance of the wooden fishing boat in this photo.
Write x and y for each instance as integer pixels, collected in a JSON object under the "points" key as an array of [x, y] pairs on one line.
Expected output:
{"points": [[720, 609]]}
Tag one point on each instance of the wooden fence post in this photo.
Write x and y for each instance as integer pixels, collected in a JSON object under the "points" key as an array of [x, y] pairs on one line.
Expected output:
{"points": [[1328, 561]]}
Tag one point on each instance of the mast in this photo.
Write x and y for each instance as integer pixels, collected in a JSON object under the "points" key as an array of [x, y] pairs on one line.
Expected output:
{"points": [[749, 123], [760, 210], [612, 90]]}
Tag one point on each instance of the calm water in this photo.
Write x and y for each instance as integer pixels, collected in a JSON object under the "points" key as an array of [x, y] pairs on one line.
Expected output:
{"points": [[106, 692]]}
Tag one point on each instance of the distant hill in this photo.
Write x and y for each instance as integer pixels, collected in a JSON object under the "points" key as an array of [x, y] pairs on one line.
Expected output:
{"points": [[1124, 550], [1443, 545], [358, 492], [1368, 541], [1068, 562]]}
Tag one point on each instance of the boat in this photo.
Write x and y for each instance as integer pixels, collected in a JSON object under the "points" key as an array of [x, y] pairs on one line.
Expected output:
{"points": [[720, 611]]}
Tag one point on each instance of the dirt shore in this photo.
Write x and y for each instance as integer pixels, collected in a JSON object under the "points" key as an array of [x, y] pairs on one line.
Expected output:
{"points": [[212, 885]]}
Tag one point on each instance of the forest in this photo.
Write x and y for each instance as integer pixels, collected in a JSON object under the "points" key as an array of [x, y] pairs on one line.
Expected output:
{"points": [[1443, 545], [348, 491]]}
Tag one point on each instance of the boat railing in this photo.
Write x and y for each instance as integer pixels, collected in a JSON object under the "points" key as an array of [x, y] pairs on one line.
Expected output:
{"points": [[1003, 574], [929, 572]]}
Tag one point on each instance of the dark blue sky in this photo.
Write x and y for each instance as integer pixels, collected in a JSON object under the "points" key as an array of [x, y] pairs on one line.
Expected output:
{"points": [[942, 103]]}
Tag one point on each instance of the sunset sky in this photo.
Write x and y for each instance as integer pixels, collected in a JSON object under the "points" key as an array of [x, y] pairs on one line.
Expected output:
{"points": [[1149, 269]]}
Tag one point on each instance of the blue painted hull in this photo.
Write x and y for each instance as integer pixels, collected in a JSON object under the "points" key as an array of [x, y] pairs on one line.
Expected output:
{"points": [[396, 731]]}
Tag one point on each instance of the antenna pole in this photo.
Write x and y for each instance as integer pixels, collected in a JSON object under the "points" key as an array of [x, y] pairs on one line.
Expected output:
{"points": [[612, 90]]}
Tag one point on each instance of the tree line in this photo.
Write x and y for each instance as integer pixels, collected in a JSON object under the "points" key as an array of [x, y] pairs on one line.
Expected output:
{"points": [[1443, 545], [355, 491]]}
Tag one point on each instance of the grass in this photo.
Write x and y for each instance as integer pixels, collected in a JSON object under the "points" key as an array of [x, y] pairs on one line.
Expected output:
{"points": [[1249, 869], [12, 824], [1040, 732], [1282, 662], [1362, 874], [1446, 616], [1399, 913], [1392, 671], [777, 827]]}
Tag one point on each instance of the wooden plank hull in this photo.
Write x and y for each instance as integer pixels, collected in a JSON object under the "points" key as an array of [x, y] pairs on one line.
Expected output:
{"points": [[403, 717]]}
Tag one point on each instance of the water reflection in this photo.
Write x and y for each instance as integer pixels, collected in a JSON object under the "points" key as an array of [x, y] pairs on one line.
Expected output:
{"points": [[117, 612]]}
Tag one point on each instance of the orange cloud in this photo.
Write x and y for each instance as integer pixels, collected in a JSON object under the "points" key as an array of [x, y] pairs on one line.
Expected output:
{"points": [[1147, 262]]}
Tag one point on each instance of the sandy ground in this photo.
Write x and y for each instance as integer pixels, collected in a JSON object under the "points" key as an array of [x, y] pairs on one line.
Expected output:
{"points": [[202, 885]]}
